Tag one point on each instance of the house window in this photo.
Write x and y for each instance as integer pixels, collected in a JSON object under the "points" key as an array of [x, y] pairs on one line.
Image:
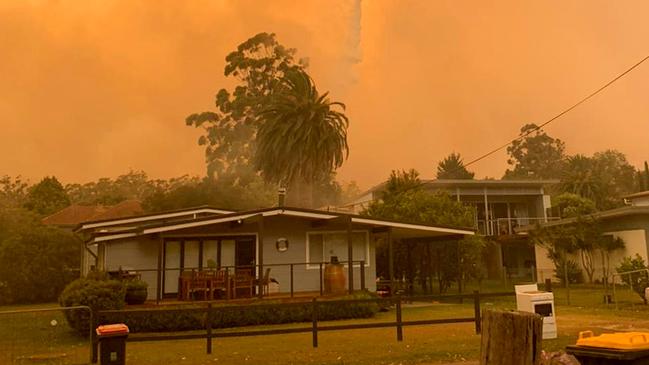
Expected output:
{"points": [[322, 245]]}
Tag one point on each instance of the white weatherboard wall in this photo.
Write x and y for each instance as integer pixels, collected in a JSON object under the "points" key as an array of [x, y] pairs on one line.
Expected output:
{"points": [[635, 243], [138, 254], [305, 279], [544, 266]]}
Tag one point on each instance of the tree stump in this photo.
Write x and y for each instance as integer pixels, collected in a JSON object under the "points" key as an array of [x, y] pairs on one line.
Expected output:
{"points": [[511, 338]]}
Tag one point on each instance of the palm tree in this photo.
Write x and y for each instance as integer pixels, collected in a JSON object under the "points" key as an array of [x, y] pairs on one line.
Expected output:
{"points": [[302, 138]]}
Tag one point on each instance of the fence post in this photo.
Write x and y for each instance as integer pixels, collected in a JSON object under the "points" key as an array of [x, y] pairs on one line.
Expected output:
{"points": [[362, 275], [321, 279], [93, 336], [291, 280], [208, 324], [476, 309], [399, 321], [314, 321]]}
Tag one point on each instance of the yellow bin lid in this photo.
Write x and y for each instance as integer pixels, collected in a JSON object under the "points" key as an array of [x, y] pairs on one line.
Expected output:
{"points": [[619, 341]]}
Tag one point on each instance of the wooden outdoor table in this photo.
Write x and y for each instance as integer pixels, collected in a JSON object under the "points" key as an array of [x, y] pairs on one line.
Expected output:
{"points": [[185, 285]]}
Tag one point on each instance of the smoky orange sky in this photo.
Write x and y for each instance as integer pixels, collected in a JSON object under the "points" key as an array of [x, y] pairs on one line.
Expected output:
{"points": [[91, 89]]}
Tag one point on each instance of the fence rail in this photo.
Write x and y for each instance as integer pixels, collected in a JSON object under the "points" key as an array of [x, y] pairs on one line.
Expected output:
{"points": [[314, 328]]}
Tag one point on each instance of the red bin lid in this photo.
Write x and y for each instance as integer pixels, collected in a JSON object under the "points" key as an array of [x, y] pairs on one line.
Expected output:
{"points": [[112, 329]]}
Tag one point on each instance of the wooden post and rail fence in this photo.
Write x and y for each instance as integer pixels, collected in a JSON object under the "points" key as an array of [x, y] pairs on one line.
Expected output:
{"points": [[209, 309]]}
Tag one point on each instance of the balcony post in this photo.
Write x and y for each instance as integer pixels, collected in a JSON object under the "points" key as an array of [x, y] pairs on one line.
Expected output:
{"points": [[350, 256], [545, 211], [509, 219]]}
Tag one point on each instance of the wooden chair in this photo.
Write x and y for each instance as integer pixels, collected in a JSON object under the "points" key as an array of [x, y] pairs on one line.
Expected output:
{"points": [[184, 282], [219, 282], [200, 283], [242, 279]]}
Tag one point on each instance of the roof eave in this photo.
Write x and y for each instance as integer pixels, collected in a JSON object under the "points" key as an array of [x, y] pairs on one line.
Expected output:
{"points": [[294, 212]]}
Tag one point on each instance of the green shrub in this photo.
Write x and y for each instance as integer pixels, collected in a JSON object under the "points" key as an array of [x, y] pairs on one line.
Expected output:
{"points": [[96, 294], [226, 315], [136, 291], [638, 280], [136, 284]]}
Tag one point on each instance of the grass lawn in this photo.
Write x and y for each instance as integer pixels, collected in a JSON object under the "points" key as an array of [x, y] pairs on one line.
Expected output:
{"points": [[33, 333]]}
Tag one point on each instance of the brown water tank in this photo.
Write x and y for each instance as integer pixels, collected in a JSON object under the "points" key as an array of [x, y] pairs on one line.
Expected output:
{"points": [[334, 278]]}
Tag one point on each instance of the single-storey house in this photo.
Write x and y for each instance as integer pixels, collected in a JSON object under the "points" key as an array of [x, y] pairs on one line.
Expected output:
{"points": [[630, 223], [294, 243]]}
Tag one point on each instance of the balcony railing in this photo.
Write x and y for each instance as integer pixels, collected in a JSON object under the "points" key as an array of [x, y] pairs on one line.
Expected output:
{"points": [[507, 226]]}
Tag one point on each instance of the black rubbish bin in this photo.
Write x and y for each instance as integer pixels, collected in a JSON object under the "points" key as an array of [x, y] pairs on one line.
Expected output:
{"points": [[112, 344], [621, 348], [601, 356]]}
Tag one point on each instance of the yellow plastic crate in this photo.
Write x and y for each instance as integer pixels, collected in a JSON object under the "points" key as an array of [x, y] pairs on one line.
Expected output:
{"points": [[619, 341]]}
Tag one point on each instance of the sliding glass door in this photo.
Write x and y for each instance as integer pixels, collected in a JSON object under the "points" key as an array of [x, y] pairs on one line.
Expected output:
{"points": [[197, 254]]}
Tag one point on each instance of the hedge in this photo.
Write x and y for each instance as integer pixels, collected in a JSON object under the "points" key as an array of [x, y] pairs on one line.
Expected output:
{"points": [[258, 313]]}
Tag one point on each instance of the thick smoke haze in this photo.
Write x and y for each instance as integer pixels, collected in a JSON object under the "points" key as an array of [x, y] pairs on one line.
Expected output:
{"points": [[93, 89]]}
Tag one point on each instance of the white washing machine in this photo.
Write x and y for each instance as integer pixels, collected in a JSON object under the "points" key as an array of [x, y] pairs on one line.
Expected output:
{"points": [[530, 299]]}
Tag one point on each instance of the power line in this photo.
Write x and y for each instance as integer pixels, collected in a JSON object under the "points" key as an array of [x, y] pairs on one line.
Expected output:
{"points": [[539, 127], [556, 116]]}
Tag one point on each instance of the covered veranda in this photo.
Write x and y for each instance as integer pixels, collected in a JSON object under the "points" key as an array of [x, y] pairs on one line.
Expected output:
{"points": [[273, 252]]}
